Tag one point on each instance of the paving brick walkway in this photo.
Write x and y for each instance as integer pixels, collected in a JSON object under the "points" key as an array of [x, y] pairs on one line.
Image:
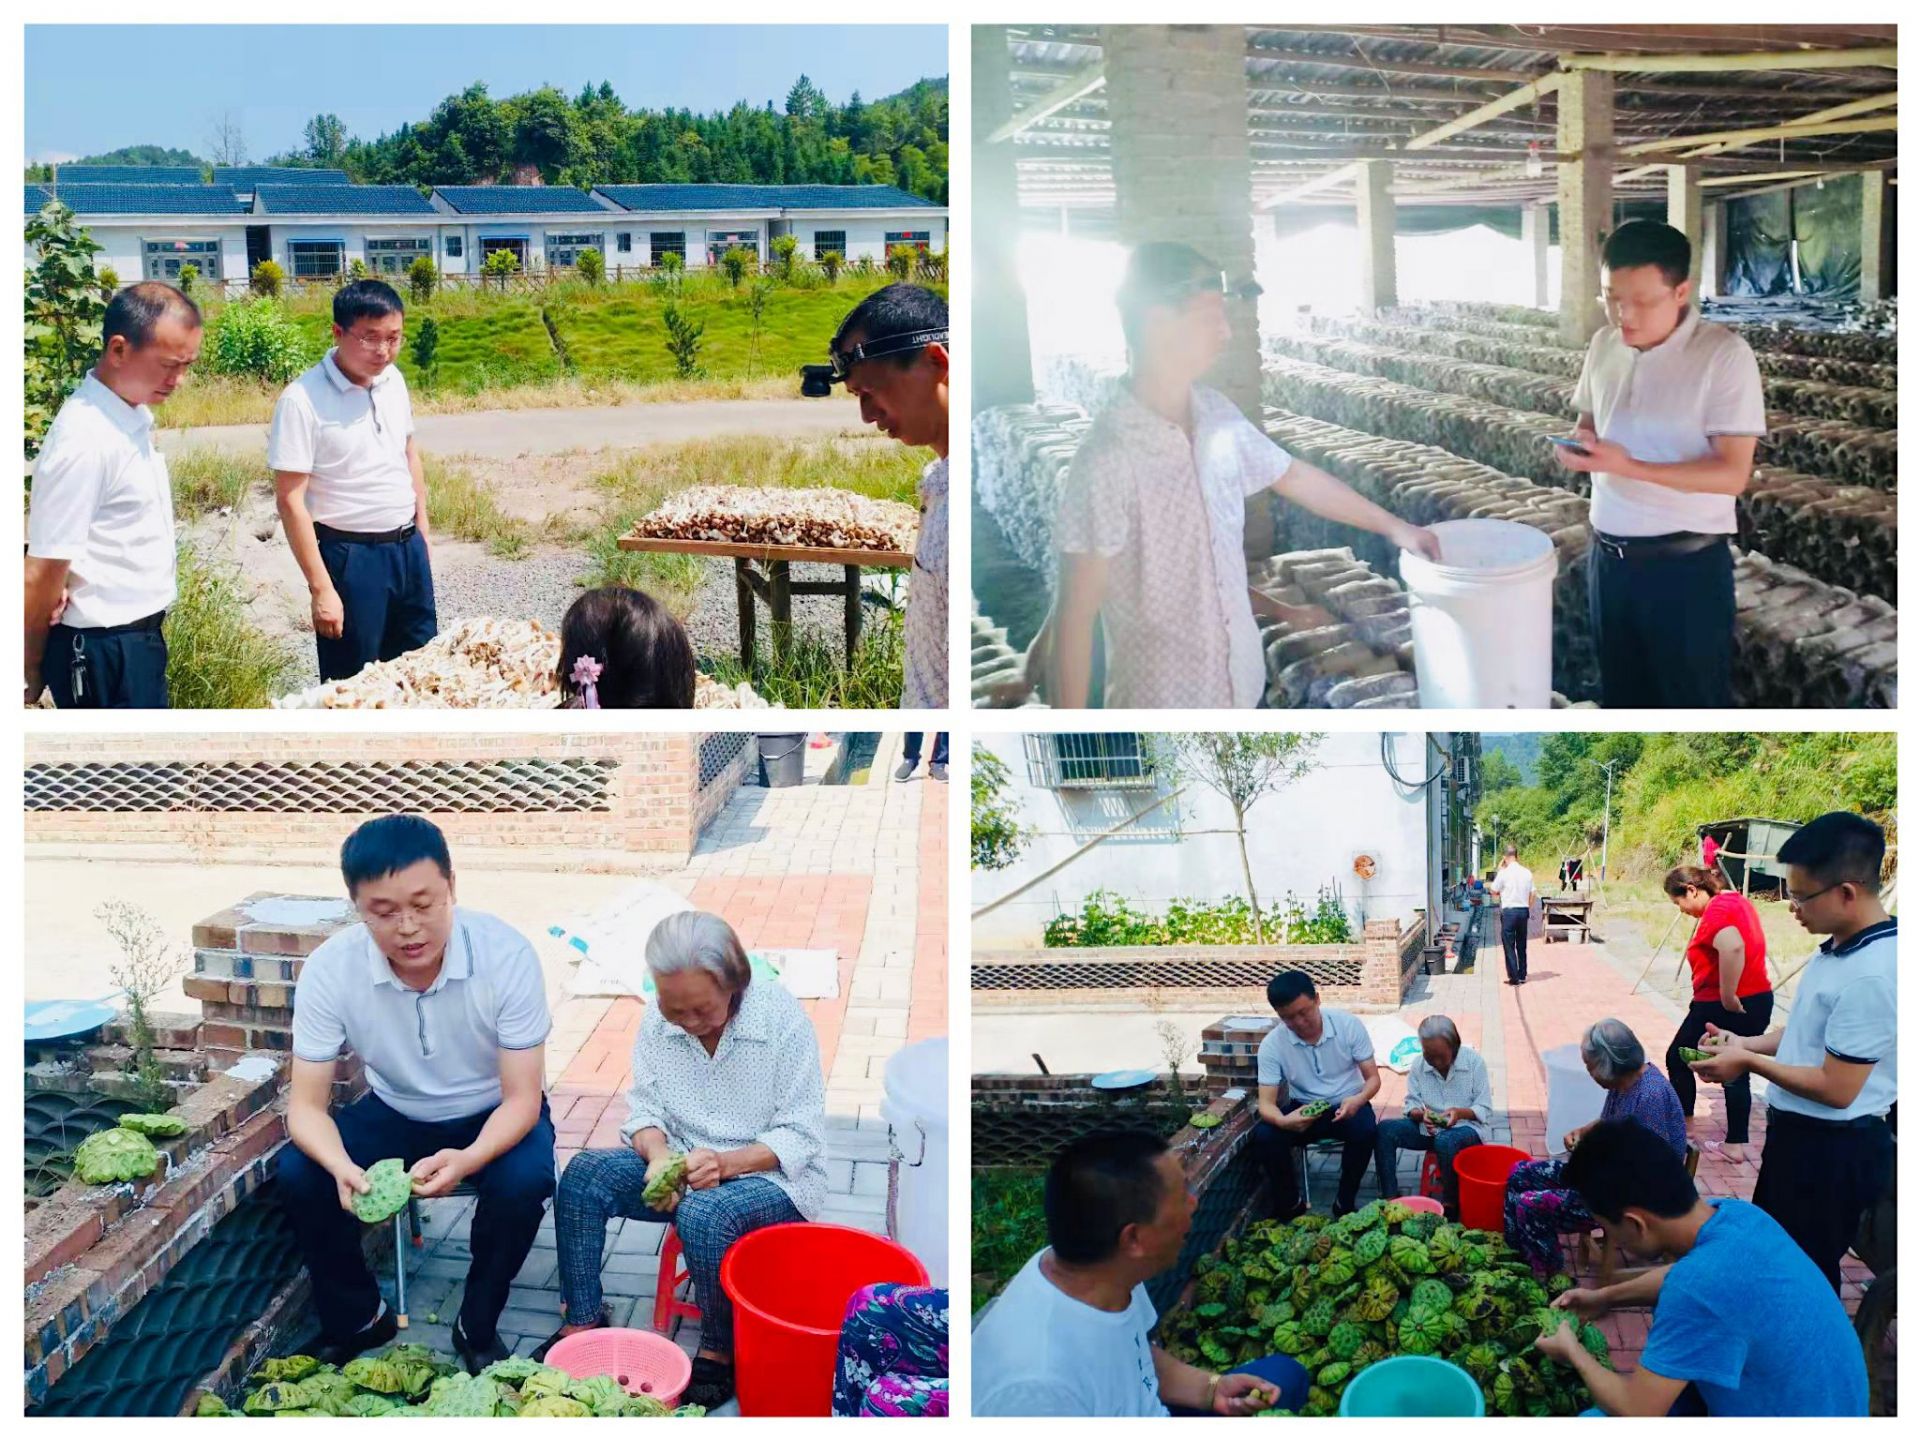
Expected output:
{"points": [[860, 870]]}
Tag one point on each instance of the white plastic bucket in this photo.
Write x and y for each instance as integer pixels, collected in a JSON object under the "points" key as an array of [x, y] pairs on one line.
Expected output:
{"points": [[1573, 1097], [915, 1109], [1483, 616]]}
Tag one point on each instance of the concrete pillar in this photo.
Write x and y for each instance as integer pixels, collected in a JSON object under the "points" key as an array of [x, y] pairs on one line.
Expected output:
{"points": [[1536, 233], [1585, 101], [1684, 213], [1002, 358], [1876, 236], [1379, 284], [1713, 264], [1177, 107]]}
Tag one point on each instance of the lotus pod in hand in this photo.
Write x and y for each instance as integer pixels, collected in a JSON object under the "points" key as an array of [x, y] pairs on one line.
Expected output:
{"points": [[1693, 1056], [111, 1156], [163, 1127], [1314, 1109], [671, 1179], [389, 1189]]}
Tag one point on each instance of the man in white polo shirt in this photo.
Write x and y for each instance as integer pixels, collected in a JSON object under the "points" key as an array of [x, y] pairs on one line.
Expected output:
{"points": [[447, 1009], [1512, 886], [1319, 1055], [352, 491], [1829, 1151], [1671, 408], [100, 516]]}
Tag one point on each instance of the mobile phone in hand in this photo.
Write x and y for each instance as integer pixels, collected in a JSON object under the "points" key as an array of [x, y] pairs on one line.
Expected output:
{"points": [[1569, 443]]}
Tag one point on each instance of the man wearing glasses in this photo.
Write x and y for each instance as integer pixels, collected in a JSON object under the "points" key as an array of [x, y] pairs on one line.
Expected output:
{"points": [[447, 1009], [1671, 408], [1829, 1150], [351, 489]]}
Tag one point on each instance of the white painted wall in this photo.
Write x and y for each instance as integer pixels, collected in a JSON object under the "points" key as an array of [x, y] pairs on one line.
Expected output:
{"points": [[867, 230], [122, 244], [1299, 840]]}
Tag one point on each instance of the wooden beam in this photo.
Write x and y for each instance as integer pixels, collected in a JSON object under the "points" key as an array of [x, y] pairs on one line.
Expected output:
{"points": [[1513, 100], [1320, 182], [1061, 96], [1735, 138], [1887, 56], [1833, 112], [1377, 63]]}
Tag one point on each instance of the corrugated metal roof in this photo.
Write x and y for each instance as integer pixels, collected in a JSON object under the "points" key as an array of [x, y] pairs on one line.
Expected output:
{"points": [[129, 174], [762, 197], [518, 199], [341, 200], [249, 177], [209, 200]]}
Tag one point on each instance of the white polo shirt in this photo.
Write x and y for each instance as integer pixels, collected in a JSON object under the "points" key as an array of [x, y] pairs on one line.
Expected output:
{"points": [[1328, 1069], [1513, 886], [102, 501], [1665, 405], [352, 439], [431, 1054], [1845, 1007]]}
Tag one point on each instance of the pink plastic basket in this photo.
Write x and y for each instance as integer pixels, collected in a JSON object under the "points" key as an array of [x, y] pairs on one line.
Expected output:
{"points": [[1421, 1202], [643, 1363]]}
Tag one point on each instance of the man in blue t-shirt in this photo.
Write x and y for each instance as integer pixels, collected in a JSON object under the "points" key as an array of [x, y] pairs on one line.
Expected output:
{"points": [[1740, 1315]]}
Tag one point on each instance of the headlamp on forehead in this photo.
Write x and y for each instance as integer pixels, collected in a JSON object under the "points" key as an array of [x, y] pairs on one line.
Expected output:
{"points": [[818, 380], [1213, 282]]}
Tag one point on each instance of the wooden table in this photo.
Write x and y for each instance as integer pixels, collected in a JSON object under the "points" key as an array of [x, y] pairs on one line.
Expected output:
{"points": [[1566, 917], [775, 587]]}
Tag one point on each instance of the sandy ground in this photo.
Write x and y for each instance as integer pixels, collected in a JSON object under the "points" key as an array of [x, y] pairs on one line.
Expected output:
{"points": [[508, 433]]}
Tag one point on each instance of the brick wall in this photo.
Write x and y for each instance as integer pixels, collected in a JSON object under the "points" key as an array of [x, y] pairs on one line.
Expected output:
{"points": [[649, 810], [712, 797]]}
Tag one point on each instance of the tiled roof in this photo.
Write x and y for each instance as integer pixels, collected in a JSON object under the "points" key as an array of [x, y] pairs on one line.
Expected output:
{"points": [[250, 177], [149, 199], [129, 174], [37, 197], [518, 199], [762, 197], [341, 200]]}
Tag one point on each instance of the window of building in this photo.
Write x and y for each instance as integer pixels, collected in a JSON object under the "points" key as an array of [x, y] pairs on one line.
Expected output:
{"points": [[1076, 761], [667, 242], [721, 241], [825, 240], [563, 251], [514, 245], [165, 257], [623, 242], [317, 259], [918, 239], [393, 257], [454, 247]]}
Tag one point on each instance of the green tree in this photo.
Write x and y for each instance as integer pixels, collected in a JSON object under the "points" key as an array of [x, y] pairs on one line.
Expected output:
{"points": [[684, 339], [423, 278], [998, 836], [1242, 768], [901, 260], [784, 249], [592, 266], [426, 349], [831, 262], [499, 265], [188, 279], [758, 294], [1497, 773], [64, 311], [326, 141], [267, 279], [736, 262]]}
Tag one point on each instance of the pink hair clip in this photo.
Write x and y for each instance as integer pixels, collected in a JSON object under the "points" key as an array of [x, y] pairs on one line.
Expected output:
{"points": [[586, 679]]}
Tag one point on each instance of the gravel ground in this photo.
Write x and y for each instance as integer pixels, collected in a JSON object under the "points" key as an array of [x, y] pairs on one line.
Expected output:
{"points": [[715, 622]]}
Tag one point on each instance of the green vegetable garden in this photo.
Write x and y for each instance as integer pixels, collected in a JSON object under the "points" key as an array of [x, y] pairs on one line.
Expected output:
{"points": [[1340, 1295]]}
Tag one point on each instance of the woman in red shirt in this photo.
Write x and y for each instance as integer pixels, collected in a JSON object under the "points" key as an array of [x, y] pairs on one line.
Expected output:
{"points": [[1731, 989]]}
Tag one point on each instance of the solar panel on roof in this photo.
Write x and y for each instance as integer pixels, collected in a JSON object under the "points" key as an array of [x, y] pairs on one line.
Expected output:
{"points": [[149, 199], [340, 200], [129, 175], [249, 177], [37, 197], [517, 199], [761, 197]]}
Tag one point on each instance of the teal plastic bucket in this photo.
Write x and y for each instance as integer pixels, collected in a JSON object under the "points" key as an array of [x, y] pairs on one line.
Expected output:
{"points": [[1413, 1385]]}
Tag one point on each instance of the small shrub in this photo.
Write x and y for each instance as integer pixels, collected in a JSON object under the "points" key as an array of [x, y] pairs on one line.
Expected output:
{"points": [[831, 264], [256, 338], [426, 349], [758, 294], [356, 269], [423, 278], [902, 260], [268, 278], [933, 266], [737, 262], [499, 265], [187, 279], [217, 659], [784, 248], [673, 262], [109, 279], [683, 339], [592, 266], [865, 268]]}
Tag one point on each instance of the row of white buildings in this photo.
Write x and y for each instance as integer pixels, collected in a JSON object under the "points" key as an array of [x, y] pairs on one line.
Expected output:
{"points": [[315, 223]]}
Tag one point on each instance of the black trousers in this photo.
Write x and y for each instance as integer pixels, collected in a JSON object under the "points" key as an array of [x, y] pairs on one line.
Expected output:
{"points": [[1818, 1178], [1663, 627], [1700, 1014], [1513, 940], [1275, 1149], [386, 600], [910, 747], [99, 670], [513, 1196]]}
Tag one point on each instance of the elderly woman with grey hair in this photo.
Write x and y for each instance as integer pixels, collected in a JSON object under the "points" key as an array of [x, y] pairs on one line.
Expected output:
{"points": [[1540, 1206], [726, 1071], [1449, 1107]]}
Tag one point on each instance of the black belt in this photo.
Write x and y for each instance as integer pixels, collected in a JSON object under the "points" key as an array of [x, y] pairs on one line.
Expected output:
{"points": [[1655, 547], [1794, 1118], [149, 622], [365, 537]]}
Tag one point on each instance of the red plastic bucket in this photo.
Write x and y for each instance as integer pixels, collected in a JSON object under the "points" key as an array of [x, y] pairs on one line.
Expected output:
{"points": [[790, 1285], [1482, 1171]]}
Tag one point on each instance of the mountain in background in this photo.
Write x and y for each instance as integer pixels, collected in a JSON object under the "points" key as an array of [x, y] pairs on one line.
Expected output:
{"points": [[1523, 751], [127, 155]]}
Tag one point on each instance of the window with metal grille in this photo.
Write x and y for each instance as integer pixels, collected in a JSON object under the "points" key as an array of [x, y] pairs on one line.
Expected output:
{"points": [[1095, 761], [455, 245], [563, 251], [667, 242], [338, 787], [918, 239], [317, 259], [717, 752], [825, 240], [392, 257], [721, 241], [165, 257], [624, 242]]}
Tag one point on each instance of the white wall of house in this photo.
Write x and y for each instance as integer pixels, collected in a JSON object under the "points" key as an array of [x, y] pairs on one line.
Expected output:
{"points": [[123, 242], [866, 231], [1299, 840]]}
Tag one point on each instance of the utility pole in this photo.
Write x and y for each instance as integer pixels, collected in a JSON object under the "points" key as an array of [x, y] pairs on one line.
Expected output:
{"points": [[1606, 822]]}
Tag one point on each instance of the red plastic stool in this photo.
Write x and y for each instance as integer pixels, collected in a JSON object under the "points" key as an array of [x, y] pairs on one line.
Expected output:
{"points": [[667, 1309], [1430, 1175]]}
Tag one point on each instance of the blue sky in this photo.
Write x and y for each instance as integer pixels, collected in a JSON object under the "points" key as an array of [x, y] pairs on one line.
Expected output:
{"points": [[275, 78]]}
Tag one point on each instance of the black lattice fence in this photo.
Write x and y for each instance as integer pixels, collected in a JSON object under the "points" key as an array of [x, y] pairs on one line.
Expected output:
{"points": [[1027, 1127], [336, 787], [183, 1326], [1223, 1203], [56, 1121], [1340, 966], [717, 752]]}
